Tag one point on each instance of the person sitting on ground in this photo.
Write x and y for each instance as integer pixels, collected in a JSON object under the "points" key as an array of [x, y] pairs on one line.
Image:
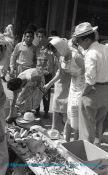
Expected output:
{"points": [[24, 87]]}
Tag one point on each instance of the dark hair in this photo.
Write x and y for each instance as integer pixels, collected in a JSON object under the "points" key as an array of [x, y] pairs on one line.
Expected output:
{"points": [[32, 27], [29, 31], [50, 47], [53, 33], [90, 36], [14, 84], [41, 30]]}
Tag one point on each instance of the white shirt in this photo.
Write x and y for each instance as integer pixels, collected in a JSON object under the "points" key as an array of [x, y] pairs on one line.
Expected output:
{"points": [[96, 64]]}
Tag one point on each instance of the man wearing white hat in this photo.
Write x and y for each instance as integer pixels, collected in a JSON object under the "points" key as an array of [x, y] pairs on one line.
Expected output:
{"points": [[94, 101]]}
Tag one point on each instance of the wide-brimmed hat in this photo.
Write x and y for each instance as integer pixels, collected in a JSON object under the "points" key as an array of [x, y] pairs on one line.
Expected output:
{"points": [[60, 44], [84, 29], [27, 120]]}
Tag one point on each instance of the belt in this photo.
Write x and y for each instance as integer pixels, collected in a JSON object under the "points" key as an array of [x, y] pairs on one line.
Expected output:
{"points": [[104, 83]]}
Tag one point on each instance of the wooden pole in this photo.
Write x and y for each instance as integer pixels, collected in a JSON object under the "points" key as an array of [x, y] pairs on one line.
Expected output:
{"points": [[48, 16], [65, 17], [15, 17], [74, 14]]}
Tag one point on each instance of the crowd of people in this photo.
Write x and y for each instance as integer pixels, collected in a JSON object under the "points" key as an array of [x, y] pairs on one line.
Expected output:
{"points": [[77, 68]]}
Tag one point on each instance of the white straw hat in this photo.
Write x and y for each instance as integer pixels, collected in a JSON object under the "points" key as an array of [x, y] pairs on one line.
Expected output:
{"points": [[84, 29], [27, 118]]}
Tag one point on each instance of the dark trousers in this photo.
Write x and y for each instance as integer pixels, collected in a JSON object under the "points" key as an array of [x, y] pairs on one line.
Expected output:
{"points": [[46, 98]]}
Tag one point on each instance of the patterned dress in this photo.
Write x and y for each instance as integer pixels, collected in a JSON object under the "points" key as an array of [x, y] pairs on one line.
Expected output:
{"points": [[75, 92], [61, 91]]}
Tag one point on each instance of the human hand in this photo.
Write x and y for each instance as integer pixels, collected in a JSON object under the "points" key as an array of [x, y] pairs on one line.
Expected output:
{"points": [[46, 72], [46, 87], [87, 89]]}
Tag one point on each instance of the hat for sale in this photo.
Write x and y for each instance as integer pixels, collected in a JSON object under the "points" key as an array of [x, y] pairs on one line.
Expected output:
{"points": [[84, 29], [27, 120]]}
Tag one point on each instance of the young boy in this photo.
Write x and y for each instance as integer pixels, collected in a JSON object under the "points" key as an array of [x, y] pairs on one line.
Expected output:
{"points": [[24, 54]]}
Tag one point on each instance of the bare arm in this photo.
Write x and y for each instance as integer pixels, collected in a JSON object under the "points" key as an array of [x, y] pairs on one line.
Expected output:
{"points": [[80, 61], [56, 78], [12, 108]]}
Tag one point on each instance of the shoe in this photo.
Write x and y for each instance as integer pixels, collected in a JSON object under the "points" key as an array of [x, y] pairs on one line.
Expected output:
{"points": [[37, 114], [46, 115]]}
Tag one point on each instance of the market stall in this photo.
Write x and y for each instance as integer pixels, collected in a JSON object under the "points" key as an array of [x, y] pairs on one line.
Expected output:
{"points": [[43, 155]]}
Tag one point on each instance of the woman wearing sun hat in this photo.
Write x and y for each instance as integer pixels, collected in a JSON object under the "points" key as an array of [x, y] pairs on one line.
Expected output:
{"points": [[62, 80], [94, 101], [69, 66]]}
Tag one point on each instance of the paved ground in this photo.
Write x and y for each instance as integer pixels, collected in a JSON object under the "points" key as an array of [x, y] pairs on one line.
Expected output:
{"points": [[47, 122]]}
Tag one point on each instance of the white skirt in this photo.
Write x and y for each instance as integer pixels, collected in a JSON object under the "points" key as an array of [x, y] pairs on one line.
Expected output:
{"points": [[75, 93]]}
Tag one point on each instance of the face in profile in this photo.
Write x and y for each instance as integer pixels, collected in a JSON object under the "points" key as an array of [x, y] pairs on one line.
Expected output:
{"points": [[28, 38]]}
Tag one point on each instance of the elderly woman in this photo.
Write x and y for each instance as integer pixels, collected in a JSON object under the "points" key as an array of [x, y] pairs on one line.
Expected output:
{"points": [[71, 66]]}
